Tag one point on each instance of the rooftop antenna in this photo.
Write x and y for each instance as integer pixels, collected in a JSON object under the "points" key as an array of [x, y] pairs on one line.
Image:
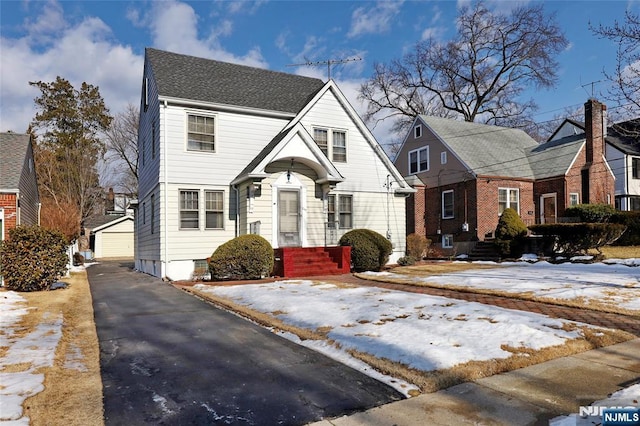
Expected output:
{"points": [[328, 63], [593, 83]]}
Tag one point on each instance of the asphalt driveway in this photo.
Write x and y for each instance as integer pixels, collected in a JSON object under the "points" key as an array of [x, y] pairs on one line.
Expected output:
{"points": [[169, 358]]}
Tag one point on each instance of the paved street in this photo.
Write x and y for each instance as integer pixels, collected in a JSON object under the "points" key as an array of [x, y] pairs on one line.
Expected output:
{"points": [[169, 358]]}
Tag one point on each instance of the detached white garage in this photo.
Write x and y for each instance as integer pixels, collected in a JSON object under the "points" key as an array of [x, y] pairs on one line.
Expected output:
{"points": [[113, 239]]}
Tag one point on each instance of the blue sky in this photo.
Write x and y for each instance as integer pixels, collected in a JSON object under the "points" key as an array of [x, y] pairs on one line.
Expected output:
{"points": [[102, 43]]}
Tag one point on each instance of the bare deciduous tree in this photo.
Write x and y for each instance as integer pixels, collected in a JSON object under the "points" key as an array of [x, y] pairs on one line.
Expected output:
{"points": [[625, 78], [478, 76], [122, 150]]}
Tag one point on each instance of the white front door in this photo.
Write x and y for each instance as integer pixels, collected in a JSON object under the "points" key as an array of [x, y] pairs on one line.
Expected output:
{"points": [[289, 218]]}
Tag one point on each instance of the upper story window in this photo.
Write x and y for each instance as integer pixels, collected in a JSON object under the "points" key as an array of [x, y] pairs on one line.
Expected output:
{"points": [[214, 209], [508, 198], [635, 168], [419, 160], [443, 157], [189, 210], [333, 143], [417, 131], [447, 204], [201, 133]]}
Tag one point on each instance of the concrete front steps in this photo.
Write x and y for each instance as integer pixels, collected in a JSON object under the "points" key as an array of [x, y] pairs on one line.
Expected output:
{"points": [[296, 262]]}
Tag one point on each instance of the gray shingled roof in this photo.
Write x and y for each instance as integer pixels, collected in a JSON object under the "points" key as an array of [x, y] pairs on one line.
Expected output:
{"points": [[486, 150], [99, 220], [189, 77], [13, 150], [553, 158], [624, 136]]}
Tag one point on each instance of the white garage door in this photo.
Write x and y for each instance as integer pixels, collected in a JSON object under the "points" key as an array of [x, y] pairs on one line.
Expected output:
{"points": [[117, 244]]}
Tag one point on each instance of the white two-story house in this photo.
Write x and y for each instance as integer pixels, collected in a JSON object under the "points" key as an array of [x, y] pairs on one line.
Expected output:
{"points": [[227, 150]]}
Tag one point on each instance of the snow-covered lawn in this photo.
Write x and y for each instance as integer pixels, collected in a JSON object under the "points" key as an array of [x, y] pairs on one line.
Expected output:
{"points": [[22, 356], [612, 286], [427, 332]]}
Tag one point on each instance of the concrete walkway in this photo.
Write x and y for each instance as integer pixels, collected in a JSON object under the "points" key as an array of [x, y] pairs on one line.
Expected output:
{"points": [[527, 396]]}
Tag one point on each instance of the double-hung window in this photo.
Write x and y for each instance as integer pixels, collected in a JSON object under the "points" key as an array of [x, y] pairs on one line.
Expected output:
{"points": [[342, 211], [508, 198], [635, 168], [419, 160], [189, 210], [201, 133], [332, 142], [339, 145], [447, 204], [214, 209]]}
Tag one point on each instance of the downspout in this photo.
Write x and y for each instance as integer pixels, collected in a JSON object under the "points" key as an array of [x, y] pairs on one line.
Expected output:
{"points": [[237, 225], [39, 210], [165, 208]]}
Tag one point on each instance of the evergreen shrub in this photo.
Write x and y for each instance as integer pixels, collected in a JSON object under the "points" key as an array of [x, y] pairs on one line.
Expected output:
{"points": [[590, 213], [510, 233], [370, 251], [33, 258], [577, 238], [246, 257]]}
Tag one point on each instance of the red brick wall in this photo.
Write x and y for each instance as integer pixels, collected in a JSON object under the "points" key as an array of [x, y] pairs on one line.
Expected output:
{"points": [[416, 212], [8, 203], [601, 182], [488, 202]]}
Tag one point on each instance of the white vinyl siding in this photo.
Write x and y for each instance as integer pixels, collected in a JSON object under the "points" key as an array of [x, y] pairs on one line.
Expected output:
{"points": [[419, 160], [508, 198]]}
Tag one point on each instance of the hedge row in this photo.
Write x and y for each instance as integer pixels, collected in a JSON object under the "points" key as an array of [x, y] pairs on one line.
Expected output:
{"points": [[576, 238]]}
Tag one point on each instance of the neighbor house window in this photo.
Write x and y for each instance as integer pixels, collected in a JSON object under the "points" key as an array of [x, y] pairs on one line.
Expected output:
{"points": [[419, 160], [201, 134], [214, 209], [635, 168], [443, 157], [417, 131], [574, 199], [447, 241], [342, 211], [153, 212], [339, 145], [447, 204], [634, 203], [321, 137], [508, 198], [189, 210]]}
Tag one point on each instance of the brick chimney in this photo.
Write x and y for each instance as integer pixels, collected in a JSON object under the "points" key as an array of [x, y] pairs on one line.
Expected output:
{"points": [[595, 121]]}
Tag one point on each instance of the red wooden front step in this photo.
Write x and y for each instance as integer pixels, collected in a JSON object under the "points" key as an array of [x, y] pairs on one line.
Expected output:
{"points": [[292, 262]]}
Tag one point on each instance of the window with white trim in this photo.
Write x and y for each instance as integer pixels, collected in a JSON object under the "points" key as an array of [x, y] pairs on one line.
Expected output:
{"points": [[574, 199], [447, 241], [419, 160], [189, 210], [443, 157], [447, 204], [201, 133], [635, 168], [342, 211], [417, 131], [508, 198], [332, 142], [214, 209]]}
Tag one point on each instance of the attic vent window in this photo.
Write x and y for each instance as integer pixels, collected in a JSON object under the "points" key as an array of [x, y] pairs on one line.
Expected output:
{"points": [[201, 134], [417, 131]]}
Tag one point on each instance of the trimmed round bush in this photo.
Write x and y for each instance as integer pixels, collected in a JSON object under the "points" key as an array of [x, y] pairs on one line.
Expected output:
{"points": [[247, 257], [591, 213], [370, 251], [33, 258]]}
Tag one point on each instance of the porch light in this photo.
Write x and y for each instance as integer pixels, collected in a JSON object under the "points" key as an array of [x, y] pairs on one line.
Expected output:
{"points": [[289, 172]]}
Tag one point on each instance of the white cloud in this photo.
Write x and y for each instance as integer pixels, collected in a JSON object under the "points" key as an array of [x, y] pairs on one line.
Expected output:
{"points": [[376, 20], [79, 52]]}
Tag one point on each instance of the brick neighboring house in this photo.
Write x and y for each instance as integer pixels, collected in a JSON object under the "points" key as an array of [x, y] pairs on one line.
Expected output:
{"points": [[19, 197], [466, 174]]}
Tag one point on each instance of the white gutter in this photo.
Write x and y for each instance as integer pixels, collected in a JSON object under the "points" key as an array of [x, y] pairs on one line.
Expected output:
{"points": [[225, 107]]}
